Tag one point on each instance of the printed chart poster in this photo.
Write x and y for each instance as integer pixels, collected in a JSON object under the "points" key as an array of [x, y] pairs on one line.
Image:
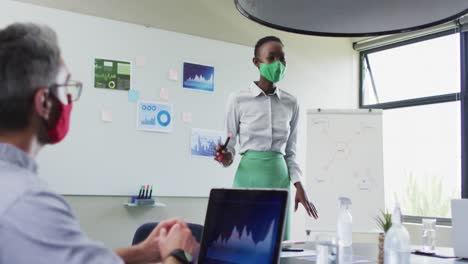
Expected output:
{"points": [[154, 116], [203, 142], [198, 77], [111, 74]]}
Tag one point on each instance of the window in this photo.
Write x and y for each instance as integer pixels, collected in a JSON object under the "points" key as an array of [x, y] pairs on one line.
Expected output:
{"points": [[422, 158], [419, 84], [421, 69]]}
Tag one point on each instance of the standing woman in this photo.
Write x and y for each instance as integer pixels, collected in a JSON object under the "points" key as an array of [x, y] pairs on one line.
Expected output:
{"points": [[264, 119]]}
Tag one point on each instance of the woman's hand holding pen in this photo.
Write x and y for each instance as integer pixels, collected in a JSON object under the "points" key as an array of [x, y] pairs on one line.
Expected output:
{"points": [[222, 154]]}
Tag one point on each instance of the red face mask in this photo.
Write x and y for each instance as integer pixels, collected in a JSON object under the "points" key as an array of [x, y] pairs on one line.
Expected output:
{"points": [[60, 130]]}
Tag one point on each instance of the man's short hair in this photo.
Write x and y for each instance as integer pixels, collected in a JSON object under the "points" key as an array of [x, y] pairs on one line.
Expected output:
{"points": [[29, 59]]}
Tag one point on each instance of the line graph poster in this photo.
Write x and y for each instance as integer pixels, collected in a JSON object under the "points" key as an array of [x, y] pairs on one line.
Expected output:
{"points": [[154, 116], [198, 77], [203, 142]]}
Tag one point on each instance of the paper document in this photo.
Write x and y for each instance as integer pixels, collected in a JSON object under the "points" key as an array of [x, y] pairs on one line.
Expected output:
{"points": [[306, 252], [356, 259]]}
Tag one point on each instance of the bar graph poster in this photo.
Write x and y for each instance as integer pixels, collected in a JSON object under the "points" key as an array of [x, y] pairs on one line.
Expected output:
{"points": [[198, 77], [154, 116], [112, 74], [203, 142]]}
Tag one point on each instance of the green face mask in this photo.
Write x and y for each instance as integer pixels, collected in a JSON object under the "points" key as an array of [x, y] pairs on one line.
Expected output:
{"points": [[273, 72]]}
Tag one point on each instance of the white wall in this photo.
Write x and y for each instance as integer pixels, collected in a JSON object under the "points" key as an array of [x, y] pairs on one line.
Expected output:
{"points": [[104, 218], [321, 72], [330, 69]]}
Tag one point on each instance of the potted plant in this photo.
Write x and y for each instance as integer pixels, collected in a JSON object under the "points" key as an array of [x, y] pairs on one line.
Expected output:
{"points": [[384, 222]]}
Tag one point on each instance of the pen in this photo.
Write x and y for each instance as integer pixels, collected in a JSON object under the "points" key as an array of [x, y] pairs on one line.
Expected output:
{"points": [[422, 253], [151, 192], [292, 249], [141, 191], [147, 190], [223, 147], [226, 143], [432, 254]]}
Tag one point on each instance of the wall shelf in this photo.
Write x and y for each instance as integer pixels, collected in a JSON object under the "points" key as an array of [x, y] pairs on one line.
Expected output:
{"points": [[145, 205]]}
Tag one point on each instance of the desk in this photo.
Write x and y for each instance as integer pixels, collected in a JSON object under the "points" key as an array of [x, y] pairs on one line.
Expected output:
{"points": [[370, 251]]}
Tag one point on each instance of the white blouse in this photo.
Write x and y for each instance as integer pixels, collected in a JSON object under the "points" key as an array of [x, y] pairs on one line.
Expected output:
{"points": [[264, 122]]}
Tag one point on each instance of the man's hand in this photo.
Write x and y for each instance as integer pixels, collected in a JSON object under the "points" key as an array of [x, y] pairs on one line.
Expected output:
{"points": [[167, 224], [148, 250], [150, 247], [178, 237]]}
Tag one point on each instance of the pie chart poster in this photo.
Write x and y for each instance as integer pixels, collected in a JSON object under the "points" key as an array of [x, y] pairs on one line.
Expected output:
{"points": [[112, 74], [154, 116]]}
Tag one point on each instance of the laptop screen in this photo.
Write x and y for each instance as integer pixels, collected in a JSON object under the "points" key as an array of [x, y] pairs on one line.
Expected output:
{"points": [[243, 226]]}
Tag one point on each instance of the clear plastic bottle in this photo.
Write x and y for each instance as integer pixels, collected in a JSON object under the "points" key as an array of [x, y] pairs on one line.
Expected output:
{"points": [[429, 235], [345, 222], [397, 245], [308, 236]]}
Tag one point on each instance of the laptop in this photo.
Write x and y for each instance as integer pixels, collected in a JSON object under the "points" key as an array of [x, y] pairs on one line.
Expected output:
{"points": [[460, 227], [243, 226]]}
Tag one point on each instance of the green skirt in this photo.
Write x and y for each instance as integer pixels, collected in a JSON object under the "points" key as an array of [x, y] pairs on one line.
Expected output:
{"points": [[264, 169]]}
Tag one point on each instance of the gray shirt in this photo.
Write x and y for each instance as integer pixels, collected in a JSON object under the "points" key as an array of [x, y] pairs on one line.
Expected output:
{"points": [[264, 122], [36, 224]]}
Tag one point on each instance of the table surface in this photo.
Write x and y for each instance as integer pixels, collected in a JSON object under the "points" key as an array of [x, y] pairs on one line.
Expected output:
{"points": [[370, 251]]}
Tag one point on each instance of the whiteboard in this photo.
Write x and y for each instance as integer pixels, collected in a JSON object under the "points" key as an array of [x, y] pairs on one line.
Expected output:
{"points": [[99, 158], [345, 158]]}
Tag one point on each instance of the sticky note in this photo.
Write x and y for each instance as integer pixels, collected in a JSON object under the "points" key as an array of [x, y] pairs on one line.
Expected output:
{"points": [[164, 94], [140, 61], [187, 117], [106, 115], [364, 183], [173, 75], [133, 95]]}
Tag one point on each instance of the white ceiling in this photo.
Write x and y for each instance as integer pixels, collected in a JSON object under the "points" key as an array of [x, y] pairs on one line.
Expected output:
{"points": [[215, 19]]}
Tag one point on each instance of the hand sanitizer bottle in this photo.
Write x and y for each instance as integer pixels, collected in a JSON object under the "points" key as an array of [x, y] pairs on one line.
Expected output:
{"points": [[345, 222], [397, 245]]}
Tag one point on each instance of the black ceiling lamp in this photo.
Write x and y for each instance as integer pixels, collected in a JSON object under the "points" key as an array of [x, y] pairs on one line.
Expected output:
{"points": [[351, 18]]}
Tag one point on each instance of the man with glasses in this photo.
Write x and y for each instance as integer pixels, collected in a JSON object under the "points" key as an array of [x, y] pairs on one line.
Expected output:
{"points": [[36, 224]]}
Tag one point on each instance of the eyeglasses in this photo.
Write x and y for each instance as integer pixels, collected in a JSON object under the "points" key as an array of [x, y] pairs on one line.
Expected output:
{"points": [[72, 88]]}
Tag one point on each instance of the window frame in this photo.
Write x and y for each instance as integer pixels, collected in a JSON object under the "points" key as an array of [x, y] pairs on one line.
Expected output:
{"points": [[461, 96]]}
